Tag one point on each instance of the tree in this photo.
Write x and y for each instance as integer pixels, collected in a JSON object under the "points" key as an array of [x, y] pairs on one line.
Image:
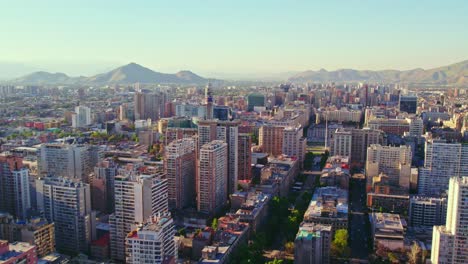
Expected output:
{"points": [[393, 258], [415, 255], [323, 160], [309, 160], [339, 246], [275, 261], [289, 247], [214, 223], [181, 232], [254, 138]]}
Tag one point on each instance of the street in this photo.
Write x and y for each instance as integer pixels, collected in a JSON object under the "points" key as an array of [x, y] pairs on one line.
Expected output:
{"points": [[358, 220]]}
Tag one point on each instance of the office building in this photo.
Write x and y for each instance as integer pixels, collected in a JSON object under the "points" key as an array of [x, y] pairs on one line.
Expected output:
{"points": [[427, 211], [390, 126], [408, 104], [212, 186], [329, 206], [209, 101], [81, 117], [388, 230], [340, 115], [149, 105], [152, 242], [312, 244], [38, 232], [15, 197], [227, 131], [67, 204], [416, 126], [361, 140], [174, 133], [395, 162], [180, 168], [64, 160], [270, 139], [255, 99], [102, 186], [341, 145], [294, 145], [244, 160], [449, 241], [137, 197], [190, 110], [222, 113], [442, 161]]}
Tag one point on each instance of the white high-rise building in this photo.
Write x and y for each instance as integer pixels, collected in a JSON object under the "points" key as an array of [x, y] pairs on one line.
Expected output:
{"points": [[14, 187], [152, 242], [180, 168], [81, 117], [341, 143], [395, 162], [443, 160], [416, 126], [227, 131], [312, 244], [22, 193], [449, 242], [137, 197], [212, 186], [65, 160], [293, 143], [427, 211], [68, 204]]}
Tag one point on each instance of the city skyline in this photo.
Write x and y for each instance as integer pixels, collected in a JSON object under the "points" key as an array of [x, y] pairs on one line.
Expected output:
{"points": [[241, 39]]}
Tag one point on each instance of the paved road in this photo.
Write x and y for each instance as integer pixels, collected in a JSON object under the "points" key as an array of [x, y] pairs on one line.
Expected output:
{"points": [[359, 222]]}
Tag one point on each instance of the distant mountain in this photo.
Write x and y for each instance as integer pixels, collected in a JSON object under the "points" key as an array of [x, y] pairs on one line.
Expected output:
{"points": [[42, 77], [127, 74], [455, 74], [133, 73]]}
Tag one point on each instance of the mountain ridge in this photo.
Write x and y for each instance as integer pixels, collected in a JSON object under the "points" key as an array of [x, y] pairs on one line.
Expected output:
{"points": [[453, 74], [456, 73], [126, 74]]}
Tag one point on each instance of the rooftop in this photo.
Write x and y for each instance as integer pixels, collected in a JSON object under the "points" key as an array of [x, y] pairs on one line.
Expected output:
{"points": [[328, 202], [309, 231], [386, 221]]}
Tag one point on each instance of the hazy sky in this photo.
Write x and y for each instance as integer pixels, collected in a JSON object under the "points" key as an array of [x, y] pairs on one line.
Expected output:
{"points": [[238, 36]]}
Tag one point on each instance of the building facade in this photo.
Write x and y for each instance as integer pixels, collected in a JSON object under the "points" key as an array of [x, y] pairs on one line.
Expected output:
{"points": [[152, 242], [244, 160], [212, 186], [427, 211], [81, 117], [15, 197], [449, 241], [65, 160], [68, 205], [312, 244], [442, 161], [180, 168], [395, 162], [270, 139], [137, 197]]}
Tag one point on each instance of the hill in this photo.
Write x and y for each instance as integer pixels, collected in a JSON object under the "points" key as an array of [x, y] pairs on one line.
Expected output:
{"points": [[127, 74], [454, 74]]}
